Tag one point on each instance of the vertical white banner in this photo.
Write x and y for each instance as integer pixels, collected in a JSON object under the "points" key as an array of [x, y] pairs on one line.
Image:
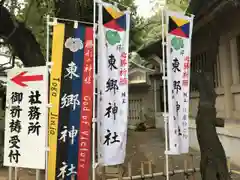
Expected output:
{"points": [[113, 43], [26, 117], [179, 35]]}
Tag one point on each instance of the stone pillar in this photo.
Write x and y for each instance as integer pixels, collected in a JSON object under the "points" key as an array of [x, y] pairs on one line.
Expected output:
{"points": [[226, 73], [234, 60]]}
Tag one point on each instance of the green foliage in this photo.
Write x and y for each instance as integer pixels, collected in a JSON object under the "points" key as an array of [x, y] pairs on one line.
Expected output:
{"points": [[34, 12], [142, 31], [151, 29]]}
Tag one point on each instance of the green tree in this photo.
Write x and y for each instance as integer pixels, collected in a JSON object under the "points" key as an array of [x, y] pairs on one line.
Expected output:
{"points": [[26, 23], [150, 29]]}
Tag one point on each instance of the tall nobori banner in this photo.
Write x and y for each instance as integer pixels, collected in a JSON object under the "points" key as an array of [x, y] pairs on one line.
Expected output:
{"points": [[179, 35], [113, 43], [26, 117], [71, 95]]}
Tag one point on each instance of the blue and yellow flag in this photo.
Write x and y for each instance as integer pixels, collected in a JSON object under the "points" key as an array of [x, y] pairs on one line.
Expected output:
{"points": [[71, 92]]}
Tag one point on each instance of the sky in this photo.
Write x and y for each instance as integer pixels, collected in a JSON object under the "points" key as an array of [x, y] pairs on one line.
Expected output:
{"points": [[144, 8]]}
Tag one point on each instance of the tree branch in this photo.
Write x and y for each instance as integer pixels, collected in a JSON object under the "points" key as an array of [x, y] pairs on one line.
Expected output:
{"points": [[21, 39], [143, 26], [67, 9], [2, 2], [28, 11]]}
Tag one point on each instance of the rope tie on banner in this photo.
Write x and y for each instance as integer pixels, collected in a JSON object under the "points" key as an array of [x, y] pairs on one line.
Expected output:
{"points": [[75, 24]]}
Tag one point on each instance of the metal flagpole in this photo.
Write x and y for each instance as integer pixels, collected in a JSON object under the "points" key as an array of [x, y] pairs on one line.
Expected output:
{"points": [[70, 20], [94, 96], [48, 71], [164, 78]]}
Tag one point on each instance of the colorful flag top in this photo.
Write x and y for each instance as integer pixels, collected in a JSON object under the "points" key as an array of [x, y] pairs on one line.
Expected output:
{"points": [[113, 18], [179, 26]]}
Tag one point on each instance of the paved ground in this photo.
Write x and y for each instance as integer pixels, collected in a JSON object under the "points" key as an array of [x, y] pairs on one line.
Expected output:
{"points": [[23, 174], [141, 146], [149, 146]]}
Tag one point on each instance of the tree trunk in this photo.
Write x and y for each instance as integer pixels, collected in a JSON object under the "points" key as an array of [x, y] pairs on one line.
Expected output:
{"points": [[213, 165]]}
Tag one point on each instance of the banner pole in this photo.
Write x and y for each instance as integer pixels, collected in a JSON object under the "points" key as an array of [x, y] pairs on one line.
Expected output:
{"points": [[48, 71], [165, 97], [94, 96]]}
